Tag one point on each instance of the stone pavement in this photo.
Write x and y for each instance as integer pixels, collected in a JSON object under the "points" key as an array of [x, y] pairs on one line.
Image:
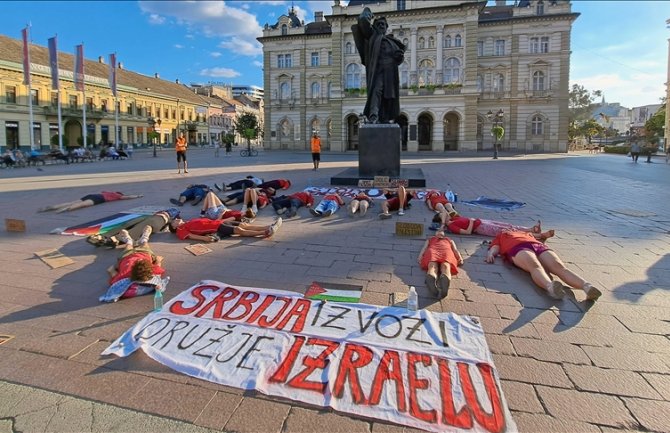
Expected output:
{"points": [[565, 366]]}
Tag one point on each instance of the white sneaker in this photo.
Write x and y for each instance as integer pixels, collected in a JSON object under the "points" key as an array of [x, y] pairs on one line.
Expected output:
{"points": [[254, 208], [401, 211], [144, 239], [124, 237], [555, 290], [244, 209], [592, 294]]}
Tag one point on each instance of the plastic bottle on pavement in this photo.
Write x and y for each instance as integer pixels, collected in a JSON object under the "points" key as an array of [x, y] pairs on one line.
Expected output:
{"points": [[412, 299], [450, 194], [158, 300]]}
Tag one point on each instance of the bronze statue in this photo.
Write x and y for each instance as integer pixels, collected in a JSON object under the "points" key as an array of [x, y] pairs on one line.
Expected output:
{"points": [[381, 54]]}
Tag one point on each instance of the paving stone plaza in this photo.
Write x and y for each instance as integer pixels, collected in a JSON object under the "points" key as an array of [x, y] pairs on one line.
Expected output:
{"points": [[565, 366]]}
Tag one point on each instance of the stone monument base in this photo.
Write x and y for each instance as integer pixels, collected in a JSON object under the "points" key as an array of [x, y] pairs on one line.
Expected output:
{"points": [[351, 177], [379, 150]]}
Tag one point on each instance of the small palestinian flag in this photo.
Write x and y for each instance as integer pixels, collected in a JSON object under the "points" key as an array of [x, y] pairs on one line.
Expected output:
{"points": [[334, 292]]}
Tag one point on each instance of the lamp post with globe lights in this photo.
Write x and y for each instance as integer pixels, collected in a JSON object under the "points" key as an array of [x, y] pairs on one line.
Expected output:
{"points": [[497, 131]]}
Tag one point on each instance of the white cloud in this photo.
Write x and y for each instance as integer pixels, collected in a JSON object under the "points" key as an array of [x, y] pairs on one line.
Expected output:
{"points": [[189, 36], [219, 72], [215, 54], [242, 46], [630, 91], [213, 19], [257, 63], [156, 19], [178, 46]]}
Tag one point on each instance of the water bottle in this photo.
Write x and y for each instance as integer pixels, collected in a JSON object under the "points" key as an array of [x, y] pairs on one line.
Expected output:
{"points": [[450, 194], [412, 299], [158, 299]]}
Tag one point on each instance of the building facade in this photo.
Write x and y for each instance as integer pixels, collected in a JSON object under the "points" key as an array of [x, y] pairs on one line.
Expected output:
{"points": [[464, 60], [143, 103]]}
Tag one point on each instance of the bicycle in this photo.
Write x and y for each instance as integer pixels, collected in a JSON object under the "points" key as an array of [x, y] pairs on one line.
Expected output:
{"points": [[248, 152]]}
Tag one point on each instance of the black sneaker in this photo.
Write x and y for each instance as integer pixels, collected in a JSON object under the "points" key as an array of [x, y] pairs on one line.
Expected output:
{"points": [[314, 212], [328, 213], [176, 202], [218, 188]]}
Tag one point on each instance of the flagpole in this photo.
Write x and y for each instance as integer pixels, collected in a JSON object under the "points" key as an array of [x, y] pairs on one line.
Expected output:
{"points": [[79, 81], [53, 62], [26, 65]]}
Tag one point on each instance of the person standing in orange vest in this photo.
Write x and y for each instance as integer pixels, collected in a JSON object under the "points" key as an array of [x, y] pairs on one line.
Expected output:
{"points": [[180, 146], [316, 150]]}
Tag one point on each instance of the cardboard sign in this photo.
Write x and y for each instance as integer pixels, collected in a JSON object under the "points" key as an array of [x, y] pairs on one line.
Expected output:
{"points": [[395, 183], [408, 229], [12, 225], [54, 258], [5, 338], [366, 183], [382, 182], [198, 249]]}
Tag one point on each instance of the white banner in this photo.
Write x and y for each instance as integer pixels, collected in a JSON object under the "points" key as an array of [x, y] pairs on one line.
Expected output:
{"points": [[431, 371], [350, 192]]}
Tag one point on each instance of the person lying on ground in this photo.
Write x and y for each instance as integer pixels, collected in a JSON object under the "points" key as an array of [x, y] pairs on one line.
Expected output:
{"points": [[440, 258], [252, 198], [139, 264], [360, 203], [396, 200], [461, 225], [292, 203], [328, 205], [8, 158], [89, 200], [276, 184], [192, 192], [437, 201], [214, 209], [140, 230], [207, 230], [534, 257], [248, 182]]}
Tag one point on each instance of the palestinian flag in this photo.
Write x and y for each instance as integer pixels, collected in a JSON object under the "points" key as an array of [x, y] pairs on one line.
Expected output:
{"points": [[103, 225], [334, 292]]}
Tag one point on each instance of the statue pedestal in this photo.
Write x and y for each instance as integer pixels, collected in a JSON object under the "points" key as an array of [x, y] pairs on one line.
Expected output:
{"points": [[379, 155], [379, 150]]}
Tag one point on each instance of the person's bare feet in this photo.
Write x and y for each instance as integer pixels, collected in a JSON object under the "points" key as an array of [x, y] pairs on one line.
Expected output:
{"points": [[548, 234], [537, 228]]}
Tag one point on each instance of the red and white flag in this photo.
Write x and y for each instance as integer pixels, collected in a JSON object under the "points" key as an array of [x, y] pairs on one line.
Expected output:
{"points": [[112, 73], [79, 67], [26, 56], [53, 62]]}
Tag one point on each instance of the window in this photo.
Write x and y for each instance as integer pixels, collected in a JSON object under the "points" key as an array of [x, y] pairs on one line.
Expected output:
{"points": [[500, 47], [103, 106], [431, 42], [130, 108], [284, 91], [538, 81], [10, 95], [422, 43], [35, 97], [73, 102], [457, 41], [330, 89], [330, 58], [540, 8], [480, 48], [452, 70], [315, 59], [348, 48], [534, 45], [37, 134], [544, 44], [12, 134], [316, 90], [447, 41], [288, 61], [400, 5], [480, 83], [280, 61], [284, 29], [89, 104], [426, 71], [174, 114], [165, 113], [353, 76], [404, 75], [499, 83], [536, 125]]}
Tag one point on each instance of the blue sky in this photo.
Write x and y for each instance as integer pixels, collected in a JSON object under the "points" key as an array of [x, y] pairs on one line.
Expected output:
{"points": [[619, 47]]}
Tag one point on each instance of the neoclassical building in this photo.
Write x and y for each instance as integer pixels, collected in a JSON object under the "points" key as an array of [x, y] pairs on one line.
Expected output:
{"points": [[464, 60]]}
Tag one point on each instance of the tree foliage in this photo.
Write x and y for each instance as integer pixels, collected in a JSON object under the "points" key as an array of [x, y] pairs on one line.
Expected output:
{"points": [[580, 103], [654, 126], [248, 126]]}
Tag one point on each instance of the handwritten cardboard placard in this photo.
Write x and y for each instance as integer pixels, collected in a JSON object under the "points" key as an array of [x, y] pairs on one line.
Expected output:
{"points": [[382, 181], [408, 229], [14, 225], [366, 183], [54, 258], [395, 183], [198, 249]]}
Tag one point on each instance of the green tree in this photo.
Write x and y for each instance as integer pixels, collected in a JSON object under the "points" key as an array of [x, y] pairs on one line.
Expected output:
{"points": [[653, 128], [248, 126], [580, 103]]}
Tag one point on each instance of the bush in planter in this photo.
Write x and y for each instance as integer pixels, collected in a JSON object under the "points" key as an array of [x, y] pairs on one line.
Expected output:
{"points": [[498, 132], [619, 150], [54, 140]]}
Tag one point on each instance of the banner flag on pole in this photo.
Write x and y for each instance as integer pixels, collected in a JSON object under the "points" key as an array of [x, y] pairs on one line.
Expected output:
{"points": [[79, 67], [112, 73], [53, 62], [26, 56]]}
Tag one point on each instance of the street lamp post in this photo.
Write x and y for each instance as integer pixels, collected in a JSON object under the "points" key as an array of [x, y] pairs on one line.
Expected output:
{"points": [[152, 123], [496, 121]]}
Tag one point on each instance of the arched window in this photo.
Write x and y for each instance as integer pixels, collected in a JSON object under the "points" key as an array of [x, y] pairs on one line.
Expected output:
{"points": [[452, 70], [422, 43], [540, 8], [348, 48], [538, 80], [499, 83], [457, 40], [284, 29], [316, 126], [426, 71], [404, 75], [447, 41], [316, 90], [537, 125], [431, 42], [353, 76], [284, 91], [330, 89], [480, 83]]}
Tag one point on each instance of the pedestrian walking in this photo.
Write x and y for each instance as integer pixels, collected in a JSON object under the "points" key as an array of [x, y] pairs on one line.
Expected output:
{"points": [[316, 150], [635, 151], [180, 146]]}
